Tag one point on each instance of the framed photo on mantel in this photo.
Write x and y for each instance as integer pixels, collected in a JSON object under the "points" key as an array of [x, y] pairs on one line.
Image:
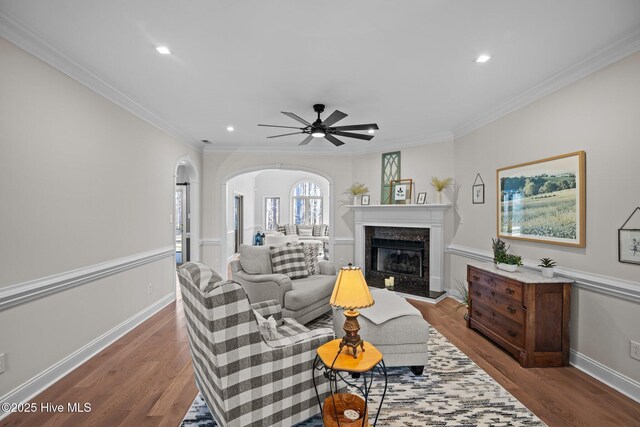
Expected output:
{"points": [[544, 200], [401, 191]]}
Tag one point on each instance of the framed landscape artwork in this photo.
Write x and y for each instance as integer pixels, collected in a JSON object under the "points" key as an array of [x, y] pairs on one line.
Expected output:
{"points": [[544, 200]]}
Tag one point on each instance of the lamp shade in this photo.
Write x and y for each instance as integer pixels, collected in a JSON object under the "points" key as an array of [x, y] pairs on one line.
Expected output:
{"points": [[351, 290]]}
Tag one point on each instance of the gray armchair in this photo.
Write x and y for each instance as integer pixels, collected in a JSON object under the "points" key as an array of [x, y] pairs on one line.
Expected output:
{"points": [[301, 299]]}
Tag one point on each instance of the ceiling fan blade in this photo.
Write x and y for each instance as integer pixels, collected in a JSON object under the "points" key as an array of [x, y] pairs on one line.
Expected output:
{"points": [[276, 126], [336, 116], [354, 135], [306, 140], [332, 139], [295, 117], [358, 127], [284, 134]]}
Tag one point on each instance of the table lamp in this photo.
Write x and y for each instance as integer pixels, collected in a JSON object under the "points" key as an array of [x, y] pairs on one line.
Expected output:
{"points": [[349, 293]]}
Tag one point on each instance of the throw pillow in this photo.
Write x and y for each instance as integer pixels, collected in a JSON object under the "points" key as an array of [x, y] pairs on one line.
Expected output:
{"points": [[305, 231], [267, 327], [319, 230], [311, 259], [289, 260], [281, 228], [290, 229], [255, 259]]}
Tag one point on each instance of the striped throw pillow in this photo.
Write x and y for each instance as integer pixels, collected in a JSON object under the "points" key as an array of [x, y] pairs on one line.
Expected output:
{"points": [[281, 229], [290, 229], [319, 230], [289, 260]]}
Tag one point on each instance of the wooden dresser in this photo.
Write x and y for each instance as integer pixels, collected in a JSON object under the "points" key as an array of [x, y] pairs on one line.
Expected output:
{"points": [[523, 312]]}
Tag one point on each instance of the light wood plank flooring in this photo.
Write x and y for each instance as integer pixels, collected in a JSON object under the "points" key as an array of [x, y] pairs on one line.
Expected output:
{"points": [[146, 379]]}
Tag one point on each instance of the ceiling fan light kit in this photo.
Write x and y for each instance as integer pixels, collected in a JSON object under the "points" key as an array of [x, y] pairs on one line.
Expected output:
{"points": [[324, 129]]}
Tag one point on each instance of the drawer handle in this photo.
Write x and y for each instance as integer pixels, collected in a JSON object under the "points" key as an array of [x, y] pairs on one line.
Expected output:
{"points": [[476, 278], [511, 310], [477, 313], [511, 333], [510, 291], [476, 293]]}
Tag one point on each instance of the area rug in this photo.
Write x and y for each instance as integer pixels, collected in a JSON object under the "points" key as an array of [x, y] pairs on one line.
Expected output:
{"points": [[453, 391]]}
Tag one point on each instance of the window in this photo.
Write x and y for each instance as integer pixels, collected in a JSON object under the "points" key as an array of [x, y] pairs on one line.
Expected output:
{"points": [[306, 200], [390, 171], [271, 213]]}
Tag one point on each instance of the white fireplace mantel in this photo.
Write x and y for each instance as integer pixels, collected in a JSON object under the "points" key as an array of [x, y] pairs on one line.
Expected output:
{"points": [[413, 216]]}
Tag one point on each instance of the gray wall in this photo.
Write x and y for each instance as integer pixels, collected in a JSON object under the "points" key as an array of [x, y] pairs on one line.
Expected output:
{"points": [[86, 186], [600, 115]]}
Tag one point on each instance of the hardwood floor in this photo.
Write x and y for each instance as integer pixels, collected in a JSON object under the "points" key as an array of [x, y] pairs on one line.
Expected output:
{"points": [[146, 379], [558, 396]]}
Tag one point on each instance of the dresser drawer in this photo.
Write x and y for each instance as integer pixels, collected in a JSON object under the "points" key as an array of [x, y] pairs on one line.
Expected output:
{"points": [[502, 288], [501, 325], [486, 295]]}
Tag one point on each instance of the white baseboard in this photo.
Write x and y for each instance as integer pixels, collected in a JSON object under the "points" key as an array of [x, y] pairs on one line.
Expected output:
{"points": [[49, 376], [625, 385]]}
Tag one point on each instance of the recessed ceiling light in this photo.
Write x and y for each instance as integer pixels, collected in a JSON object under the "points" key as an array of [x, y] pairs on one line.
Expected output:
{"points": [[483, 58], [230, 128], [163, 50], [371, 131]]}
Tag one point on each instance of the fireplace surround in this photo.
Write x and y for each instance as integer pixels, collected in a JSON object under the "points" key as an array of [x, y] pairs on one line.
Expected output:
{"points": [[429, 218]]}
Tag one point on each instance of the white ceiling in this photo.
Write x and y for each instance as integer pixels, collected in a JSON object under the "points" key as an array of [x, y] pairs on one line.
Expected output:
{"points": [[406, 65]]}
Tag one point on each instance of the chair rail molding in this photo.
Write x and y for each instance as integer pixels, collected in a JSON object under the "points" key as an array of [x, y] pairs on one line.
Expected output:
{"points": [[27, 291], [619, 288]]}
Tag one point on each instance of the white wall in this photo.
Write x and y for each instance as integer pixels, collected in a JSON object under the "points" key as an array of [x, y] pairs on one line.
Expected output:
{"points": [[85, 186], [598, 114], [280, 183]]}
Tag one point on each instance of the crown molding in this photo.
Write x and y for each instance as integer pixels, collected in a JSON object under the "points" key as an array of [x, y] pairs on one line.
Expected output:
{"points": [[614, 52], [387, 145], [25, 38]]}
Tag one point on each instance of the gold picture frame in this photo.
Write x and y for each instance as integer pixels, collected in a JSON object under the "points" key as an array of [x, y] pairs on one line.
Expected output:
{"points": [[543, 200], [400, 191]]}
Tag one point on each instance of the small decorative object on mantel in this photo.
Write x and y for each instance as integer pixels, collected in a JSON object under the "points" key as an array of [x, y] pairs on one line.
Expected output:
{"points": [[356, 190], [440, 185], [365, 200], [478, 190], [629, 240], [422, 198], [546, 267], [401, 190]]}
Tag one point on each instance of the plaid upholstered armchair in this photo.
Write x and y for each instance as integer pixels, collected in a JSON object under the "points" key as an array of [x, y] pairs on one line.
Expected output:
{"points": [[245, 379]]}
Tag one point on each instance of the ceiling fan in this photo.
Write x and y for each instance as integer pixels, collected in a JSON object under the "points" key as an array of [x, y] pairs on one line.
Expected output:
{"points": [[323, 129]]}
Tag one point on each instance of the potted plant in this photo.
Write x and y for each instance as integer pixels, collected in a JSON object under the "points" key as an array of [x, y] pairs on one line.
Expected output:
{"points": [[356, 190], [440, 185], [508, 262], [463, 292], [499, 246], [546, 267]]}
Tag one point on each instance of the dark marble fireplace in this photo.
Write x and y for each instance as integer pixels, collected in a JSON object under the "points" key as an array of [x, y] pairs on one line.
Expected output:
{"points": [[401, 252]]}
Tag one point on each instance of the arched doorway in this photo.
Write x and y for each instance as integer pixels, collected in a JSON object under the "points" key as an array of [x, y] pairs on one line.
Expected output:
{"points": [[186, 211], [268, 199]]}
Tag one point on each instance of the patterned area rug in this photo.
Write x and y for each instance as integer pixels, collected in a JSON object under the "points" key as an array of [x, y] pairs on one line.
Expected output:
{"points": [[453, 391]]}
